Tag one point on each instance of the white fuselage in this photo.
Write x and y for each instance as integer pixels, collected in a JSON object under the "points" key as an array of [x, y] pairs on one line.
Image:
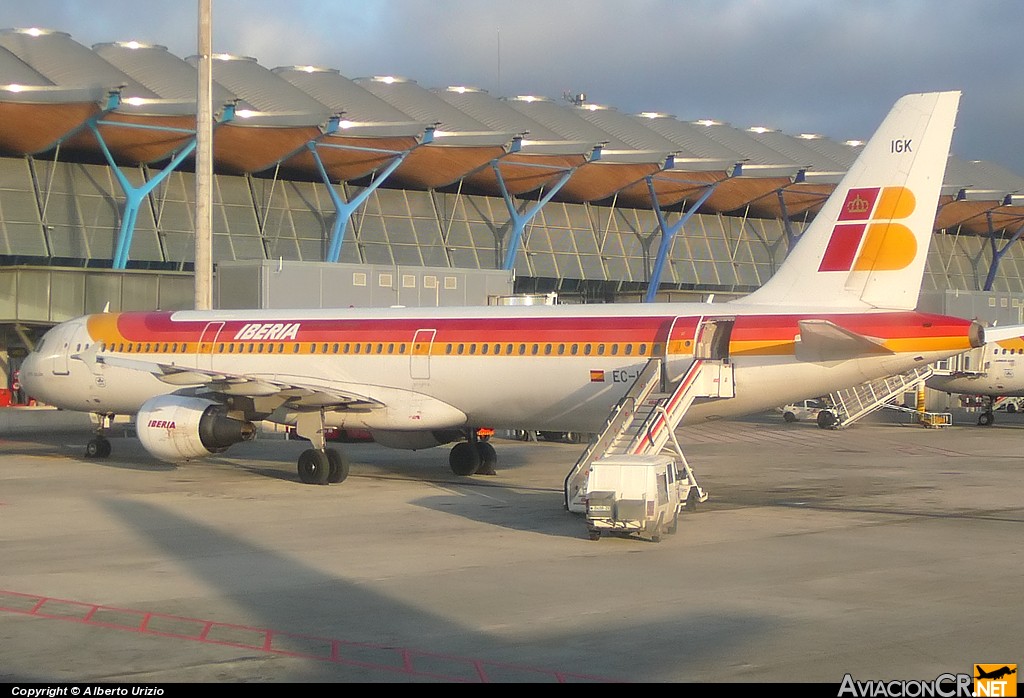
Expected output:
{"points": [[539, 380], [999, 373]]}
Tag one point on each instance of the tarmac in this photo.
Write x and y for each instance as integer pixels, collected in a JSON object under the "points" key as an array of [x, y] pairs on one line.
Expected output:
{"points": [[886, 551]]}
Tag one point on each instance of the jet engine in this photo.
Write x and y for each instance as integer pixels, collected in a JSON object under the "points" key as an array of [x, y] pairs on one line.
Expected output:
{"points": [[175, 428]]}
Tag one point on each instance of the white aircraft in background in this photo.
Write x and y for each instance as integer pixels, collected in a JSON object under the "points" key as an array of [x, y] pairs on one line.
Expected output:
{"points": [[839, 311], [993, 371]]}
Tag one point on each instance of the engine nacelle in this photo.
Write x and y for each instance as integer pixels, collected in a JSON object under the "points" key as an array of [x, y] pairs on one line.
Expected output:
{"points": [[415, 440], [175, 428]]}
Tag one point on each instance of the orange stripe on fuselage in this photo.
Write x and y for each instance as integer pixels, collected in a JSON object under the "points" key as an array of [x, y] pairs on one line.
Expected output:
{"points": [[1016, 343], [752, 335]]}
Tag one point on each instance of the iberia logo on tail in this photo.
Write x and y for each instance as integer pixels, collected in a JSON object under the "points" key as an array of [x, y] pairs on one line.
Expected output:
{"points": [[867, 237]]}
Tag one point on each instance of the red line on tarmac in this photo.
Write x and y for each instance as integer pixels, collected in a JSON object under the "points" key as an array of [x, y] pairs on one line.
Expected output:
{"points": [[35, 605]]}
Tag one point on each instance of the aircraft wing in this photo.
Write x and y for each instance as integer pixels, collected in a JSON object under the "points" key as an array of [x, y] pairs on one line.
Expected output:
{"points": [[823, 340], [296, 390]]}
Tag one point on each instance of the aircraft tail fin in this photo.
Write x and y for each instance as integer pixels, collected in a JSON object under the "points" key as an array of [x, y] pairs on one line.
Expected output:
{"points": [[868, 245]]}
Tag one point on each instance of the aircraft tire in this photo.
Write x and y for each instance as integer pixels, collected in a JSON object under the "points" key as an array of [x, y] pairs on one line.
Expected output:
{"points": [[314, 467], [338, 466], [98, 448], [464, 459], [488, 458], [985, 419]]}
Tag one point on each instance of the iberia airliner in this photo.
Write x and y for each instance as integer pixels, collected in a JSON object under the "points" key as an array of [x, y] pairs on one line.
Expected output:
{"points": [[839, 311]]}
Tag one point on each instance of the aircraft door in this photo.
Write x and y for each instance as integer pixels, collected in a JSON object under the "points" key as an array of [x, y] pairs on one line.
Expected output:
{"points": [[207, 344], [419, 357], [677, 345], [712, 339], [711, 344], [62, 350]]}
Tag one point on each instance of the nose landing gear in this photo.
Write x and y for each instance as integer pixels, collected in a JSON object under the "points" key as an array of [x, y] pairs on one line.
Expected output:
{"points": [[99, 446]]}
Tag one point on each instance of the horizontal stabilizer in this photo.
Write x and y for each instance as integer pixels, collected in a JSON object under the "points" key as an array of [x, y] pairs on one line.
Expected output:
{"points": [[999, 334], [823, 340]]}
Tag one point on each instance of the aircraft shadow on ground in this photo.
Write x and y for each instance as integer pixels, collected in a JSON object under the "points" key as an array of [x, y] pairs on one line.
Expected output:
{"points": [[281, 593]]}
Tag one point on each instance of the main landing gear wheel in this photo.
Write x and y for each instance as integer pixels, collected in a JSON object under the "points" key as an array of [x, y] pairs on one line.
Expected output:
{"points": [[464, 458], [488, 458], [985, 419], [337, 466], [98, 447], [314, 467]]}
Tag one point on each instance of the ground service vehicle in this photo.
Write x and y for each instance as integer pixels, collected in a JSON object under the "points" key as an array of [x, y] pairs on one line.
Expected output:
{"points": [[803, 410], [635, 495]]}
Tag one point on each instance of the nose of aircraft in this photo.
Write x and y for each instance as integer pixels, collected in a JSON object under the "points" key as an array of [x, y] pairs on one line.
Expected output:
{"points": [[29, 370], [38, 365]]}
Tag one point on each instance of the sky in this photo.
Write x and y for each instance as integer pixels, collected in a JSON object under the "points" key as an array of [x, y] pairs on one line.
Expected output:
{"points": [[832, 67]]}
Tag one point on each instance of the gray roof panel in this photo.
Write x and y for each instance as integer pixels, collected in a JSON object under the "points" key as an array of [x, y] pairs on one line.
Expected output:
{"points": [[497, 114], [22, 84], [494, 113], [796, 150], [16, 72], [368, 113], [690, 139], [744, 143], [980, 180], [564, 121], [842, 154], [625, 128], [165, 74], [265, 91], [67, 63], [420, 103]]}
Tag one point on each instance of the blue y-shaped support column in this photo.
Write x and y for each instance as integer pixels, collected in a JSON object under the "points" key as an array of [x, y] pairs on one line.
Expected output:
{"points": [[134, 196], [344, 209], [519, 220], [997, 253], [668, 232]]}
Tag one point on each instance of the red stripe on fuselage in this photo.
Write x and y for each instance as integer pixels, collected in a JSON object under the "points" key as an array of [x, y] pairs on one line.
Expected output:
{"points": [[160, 327]]}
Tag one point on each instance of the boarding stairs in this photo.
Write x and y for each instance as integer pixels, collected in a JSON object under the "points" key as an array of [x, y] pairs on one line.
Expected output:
{"points": [[645, 419], [854, 403]]}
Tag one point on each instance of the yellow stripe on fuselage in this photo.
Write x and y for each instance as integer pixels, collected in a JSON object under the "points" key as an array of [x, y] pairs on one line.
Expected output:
{"points": [[103, 328], [911, 345]]}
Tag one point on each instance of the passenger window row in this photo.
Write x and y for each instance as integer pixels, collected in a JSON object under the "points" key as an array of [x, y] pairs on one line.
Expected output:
{"points": [[450, 348]]}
